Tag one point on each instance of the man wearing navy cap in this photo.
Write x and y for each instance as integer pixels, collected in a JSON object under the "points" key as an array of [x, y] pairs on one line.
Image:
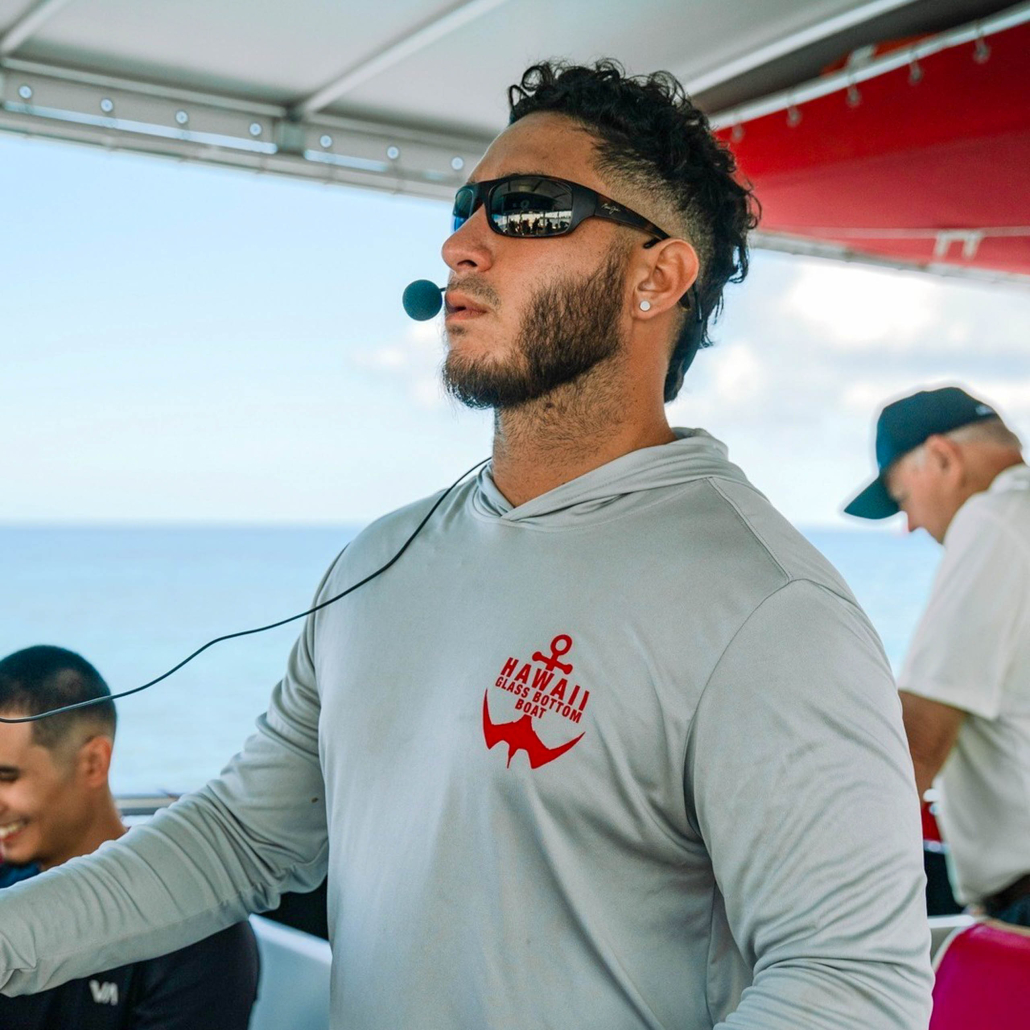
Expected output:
{"points": [[949, 462]]}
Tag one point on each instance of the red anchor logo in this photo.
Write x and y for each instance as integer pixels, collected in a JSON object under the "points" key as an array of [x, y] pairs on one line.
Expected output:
{"points": [[561, 644], [521, 735]]}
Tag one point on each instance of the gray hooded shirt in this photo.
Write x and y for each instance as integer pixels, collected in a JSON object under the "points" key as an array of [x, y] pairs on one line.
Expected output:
{"points": [[628, 755]]}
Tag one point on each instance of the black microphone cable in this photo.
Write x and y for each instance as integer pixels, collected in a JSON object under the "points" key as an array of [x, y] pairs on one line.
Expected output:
{"points": [[258, 629]]}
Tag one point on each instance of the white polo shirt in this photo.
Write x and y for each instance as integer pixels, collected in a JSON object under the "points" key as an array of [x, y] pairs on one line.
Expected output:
{"points": [[972, 651]]}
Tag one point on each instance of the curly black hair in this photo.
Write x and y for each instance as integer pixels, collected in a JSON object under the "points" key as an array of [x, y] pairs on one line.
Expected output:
{"points": [[651, 135]]}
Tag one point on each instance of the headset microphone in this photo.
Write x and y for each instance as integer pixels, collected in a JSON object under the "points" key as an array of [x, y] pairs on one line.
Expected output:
{"points": [[422, 299]]}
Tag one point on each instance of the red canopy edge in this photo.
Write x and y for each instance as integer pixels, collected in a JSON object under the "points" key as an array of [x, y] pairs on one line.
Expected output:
{"points": [[925, 165]]}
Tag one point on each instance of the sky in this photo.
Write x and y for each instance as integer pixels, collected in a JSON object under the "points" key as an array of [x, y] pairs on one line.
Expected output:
{"points": [[182, 343]]}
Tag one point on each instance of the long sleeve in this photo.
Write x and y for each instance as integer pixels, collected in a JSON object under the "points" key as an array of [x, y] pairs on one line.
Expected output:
{"points": [[800, 783], [232, 848]]}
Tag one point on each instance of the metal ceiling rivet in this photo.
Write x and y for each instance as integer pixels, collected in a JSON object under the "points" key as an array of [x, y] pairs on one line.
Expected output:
{"points": [[25, 92], [107, 105], [325, 141], [457, 163], [182, 117], [255, 128], [393, 153]]}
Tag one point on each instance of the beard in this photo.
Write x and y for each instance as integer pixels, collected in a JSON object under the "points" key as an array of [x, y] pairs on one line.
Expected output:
{"points": [[572, 325]]}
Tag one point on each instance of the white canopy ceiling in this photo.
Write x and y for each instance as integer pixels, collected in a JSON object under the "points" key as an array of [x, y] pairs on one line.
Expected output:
{"points": [[401, 95]]}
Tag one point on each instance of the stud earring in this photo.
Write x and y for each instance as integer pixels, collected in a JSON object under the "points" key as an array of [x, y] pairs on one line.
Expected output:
{"points": [[645, 305]]}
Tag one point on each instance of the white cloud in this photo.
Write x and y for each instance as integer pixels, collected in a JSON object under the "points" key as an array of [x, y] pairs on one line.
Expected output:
{"points": [[1010, 395], [737, 373], [384, 358], [425, 332], [864, 308], [867, 396], [414, 361]]}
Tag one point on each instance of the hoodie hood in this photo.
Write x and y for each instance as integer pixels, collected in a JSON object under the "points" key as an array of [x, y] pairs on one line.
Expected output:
{"points": [[607, 491]]}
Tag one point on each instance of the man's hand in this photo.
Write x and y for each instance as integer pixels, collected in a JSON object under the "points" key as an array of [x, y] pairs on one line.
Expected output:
{"points": [[931, 728]]}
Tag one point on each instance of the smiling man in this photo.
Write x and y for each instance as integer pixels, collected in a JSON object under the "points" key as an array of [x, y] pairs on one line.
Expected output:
{"points": [[609, 745], [56, 805], [952, 466]]}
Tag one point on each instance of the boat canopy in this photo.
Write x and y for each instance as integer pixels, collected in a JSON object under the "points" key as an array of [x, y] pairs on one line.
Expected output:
{"points": [[405, 96], [914, 152]]}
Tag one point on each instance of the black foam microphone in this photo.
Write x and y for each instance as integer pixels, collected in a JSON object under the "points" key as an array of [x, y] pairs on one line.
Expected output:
{"points": [[422, 299]]}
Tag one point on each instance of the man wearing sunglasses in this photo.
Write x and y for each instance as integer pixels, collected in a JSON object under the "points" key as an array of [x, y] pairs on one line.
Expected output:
{"points": [[610, 746]]}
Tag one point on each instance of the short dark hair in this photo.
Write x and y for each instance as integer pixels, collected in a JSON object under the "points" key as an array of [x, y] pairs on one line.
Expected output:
{"points": [[41, 678], [653, 136]]}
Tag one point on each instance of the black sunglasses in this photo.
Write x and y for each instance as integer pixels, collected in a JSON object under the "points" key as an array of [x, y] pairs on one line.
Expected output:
{"points": [[540, 206]]}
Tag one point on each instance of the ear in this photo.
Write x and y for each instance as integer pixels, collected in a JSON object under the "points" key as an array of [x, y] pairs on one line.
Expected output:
{"points": [[666, 273], [945, 455], [93, 762]]}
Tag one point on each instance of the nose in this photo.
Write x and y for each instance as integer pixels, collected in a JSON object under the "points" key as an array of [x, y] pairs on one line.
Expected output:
{"points": [[470, 247]]}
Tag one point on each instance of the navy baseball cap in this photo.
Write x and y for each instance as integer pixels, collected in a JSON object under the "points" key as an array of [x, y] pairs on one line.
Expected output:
{"points": [[902, 427]]}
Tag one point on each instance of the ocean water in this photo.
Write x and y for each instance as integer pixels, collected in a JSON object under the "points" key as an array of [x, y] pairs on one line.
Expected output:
{"points": [[135, 601]]}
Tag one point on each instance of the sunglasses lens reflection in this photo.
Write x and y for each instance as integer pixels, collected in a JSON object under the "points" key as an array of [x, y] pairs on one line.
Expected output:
{"points": [[464, 200], [531, 206]]}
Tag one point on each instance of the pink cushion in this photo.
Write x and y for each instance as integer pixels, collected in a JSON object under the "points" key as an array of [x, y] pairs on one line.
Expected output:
{"points": [[983, 980]]}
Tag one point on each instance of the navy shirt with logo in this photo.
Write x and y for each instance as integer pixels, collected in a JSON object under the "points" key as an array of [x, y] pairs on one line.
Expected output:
{"points": [[210, 985]]}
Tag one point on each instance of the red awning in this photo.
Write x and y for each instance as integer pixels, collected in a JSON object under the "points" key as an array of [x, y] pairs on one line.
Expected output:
{"points": [[927, 164]]}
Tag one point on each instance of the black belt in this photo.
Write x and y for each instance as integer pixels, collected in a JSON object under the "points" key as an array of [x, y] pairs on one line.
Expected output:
{"points": [[1015, 891]]}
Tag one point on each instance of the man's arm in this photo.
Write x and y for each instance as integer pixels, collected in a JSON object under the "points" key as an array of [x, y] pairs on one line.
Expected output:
{"points": [[932, 729], [800, 784], [195, 868]]}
